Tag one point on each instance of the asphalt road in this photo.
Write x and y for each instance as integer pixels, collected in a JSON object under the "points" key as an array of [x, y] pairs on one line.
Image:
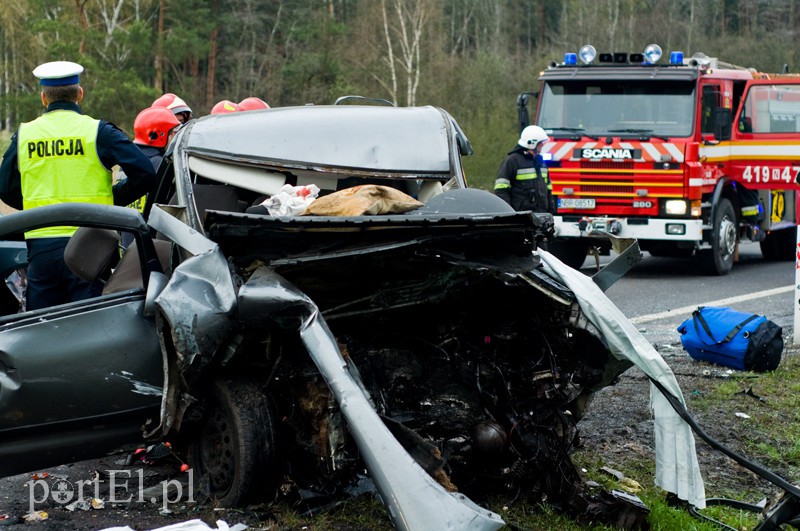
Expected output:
{"points": [[658, 294]]}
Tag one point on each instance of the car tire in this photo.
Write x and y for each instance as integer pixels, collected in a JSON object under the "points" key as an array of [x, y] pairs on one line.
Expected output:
{"points": [[570, 251], [235, 443], [719, 259], [779, 245]]}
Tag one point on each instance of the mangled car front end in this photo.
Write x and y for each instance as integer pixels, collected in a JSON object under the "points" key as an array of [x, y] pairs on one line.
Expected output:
{"points": [[430, 346]]}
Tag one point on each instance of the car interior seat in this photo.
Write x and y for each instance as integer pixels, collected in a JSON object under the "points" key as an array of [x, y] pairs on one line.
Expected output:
{"points": [[128, 273], [94, 254]]}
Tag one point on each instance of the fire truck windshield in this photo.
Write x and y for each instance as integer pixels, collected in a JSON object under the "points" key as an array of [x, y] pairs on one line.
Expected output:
{"points": [[618, 107]]}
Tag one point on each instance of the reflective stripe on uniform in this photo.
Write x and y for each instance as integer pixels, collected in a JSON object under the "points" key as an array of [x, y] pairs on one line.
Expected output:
{"points": [[502, 184], [750, 210], [546, 177], [527, 174]]}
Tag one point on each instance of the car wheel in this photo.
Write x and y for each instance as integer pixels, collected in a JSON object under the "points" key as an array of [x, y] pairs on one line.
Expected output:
{"points": [[235, 443], [719, 259], [779, 245], [570, 251]]}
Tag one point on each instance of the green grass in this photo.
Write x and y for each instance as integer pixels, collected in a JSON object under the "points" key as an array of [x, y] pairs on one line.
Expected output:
{"points": [[5, 140]]}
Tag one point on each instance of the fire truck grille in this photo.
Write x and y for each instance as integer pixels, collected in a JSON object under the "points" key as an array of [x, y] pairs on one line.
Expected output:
{"points": [[608, 165], [599, 188], [594, 182]]}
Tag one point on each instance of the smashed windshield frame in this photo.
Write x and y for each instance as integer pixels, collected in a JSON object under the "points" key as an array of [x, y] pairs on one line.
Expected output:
{"points": [[622, 108]]}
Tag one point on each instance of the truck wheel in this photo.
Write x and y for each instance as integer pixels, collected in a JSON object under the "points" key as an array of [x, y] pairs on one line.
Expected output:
{"points": [[235, 443], [719, 259], [779, 245], [571, 251]]}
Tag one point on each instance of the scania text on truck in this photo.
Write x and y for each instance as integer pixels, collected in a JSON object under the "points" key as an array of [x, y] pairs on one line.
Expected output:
{"points": [[689, 156]]}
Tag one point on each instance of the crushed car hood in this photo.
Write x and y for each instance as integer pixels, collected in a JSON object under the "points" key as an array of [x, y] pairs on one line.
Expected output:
{"points": [[506, 237]]}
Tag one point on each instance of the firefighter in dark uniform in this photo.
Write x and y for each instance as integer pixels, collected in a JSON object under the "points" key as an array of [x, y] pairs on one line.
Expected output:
{"points": [[522, 180], [65, 156], [153, 129]]}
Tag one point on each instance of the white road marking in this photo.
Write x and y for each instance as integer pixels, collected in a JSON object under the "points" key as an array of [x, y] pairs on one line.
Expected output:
{"points": [[721, 302]]}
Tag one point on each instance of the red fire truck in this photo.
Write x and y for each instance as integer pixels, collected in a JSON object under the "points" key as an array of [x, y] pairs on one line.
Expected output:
{"points": [[689, 156]]}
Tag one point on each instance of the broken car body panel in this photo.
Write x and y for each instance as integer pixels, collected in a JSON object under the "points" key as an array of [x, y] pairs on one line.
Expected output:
{"points": [[78, 378]]}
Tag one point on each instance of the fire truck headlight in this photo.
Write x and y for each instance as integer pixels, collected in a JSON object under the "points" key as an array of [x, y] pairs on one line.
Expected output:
{"points": [[652, 53], [676, 229], [675, 207], [587, 53]]}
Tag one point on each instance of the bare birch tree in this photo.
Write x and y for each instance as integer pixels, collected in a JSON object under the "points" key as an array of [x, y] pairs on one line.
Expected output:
{"points": [[403, 29]]}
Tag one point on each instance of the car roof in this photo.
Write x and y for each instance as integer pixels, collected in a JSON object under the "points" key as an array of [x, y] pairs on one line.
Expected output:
{"points": [[372, 138]]}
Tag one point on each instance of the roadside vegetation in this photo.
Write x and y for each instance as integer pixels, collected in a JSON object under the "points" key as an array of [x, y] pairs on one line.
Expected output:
{"points": [[470, 57]]}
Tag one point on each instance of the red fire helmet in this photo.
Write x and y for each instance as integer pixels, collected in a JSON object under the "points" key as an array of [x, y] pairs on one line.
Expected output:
{"points": [[224, 107], [252, 104], [152, 126]]}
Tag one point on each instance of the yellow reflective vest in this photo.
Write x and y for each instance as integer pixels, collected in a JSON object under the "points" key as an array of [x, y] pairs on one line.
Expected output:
{"points": [[58, 163]]}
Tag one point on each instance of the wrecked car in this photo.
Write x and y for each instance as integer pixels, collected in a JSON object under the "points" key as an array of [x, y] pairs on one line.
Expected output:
{"points": [[432, 349]]}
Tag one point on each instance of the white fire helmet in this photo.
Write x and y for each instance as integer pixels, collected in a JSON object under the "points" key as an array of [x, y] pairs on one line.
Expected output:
{"points": [[531, 136]]}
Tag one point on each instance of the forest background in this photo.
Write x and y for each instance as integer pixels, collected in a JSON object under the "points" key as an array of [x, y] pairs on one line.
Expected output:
{"points": [[470, 57]]}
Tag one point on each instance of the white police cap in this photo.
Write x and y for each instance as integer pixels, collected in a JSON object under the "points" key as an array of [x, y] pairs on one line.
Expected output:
{"points": [[58, 73]]}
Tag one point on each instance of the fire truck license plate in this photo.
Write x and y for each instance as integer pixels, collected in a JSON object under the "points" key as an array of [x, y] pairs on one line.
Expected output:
{"points": [[575, 203]]}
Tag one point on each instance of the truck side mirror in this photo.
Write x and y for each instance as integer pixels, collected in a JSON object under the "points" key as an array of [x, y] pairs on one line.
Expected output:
{"points": [[723, 118], [522, 108]]}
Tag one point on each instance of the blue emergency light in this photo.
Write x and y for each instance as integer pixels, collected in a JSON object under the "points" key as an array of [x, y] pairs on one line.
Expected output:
{"points": [[676, 58], [570, 59]]}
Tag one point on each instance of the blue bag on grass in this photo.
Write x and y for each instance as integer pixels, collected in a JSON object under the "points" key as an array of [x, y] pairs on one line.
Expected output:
{"points": [[743, 341]]}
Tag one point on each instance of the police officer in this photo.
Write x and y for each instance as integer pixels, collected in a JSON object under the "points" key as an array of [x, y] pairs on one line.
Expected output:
{"points": [[522, 180], [65, 156]]}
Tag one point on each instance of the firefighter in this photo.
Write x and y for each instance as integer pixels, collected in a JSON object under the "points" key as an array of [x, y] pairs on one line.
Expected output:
{"points": [[152, 131], [175, 104], [252, 104], [224, 107], [65, 156], [522, 180]]}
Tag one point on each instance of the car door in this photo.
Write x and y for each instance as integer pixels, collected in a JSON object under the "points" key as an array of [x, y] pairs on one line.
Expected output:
{"points": [[77, 380]]}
